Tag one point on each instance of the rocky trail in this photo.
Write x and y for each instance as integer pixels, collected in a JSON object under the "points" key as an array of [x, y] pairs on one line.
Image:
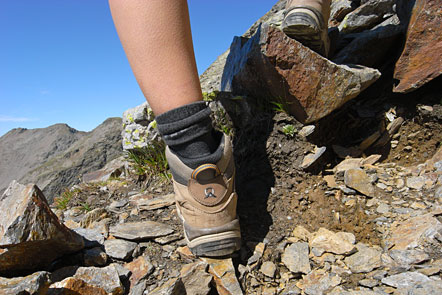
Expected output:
{"points": [[334, 198]]}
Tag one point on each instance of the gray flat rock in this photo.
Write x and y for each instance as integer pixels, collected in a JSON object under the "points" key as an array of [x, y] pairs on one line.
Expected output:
{"points": [[119, 249], [295, 257]]}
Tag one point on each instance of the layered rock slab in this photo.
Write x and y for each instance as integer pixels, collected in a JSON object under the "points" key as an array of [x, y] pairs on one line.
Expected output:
{"points": [[31, 236], [272, 66], [421, 59]]}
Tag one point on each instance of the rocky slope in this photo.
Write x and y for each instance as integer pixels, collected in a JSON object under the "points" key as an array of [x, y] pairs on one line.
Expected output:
{"points": [[55, 157]]}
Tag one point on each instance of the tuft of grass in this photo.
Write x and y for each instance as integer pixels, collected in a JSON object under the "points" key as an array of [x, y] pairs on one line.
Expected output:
{"points": [[85, 207], [289, 130], [150, 160]]}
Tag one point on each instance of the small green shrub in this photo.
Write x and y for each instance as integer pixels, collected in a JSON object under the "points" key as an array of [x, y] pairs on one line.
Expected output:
{"points": [[289, 130], [211, 96], [150, 160]]}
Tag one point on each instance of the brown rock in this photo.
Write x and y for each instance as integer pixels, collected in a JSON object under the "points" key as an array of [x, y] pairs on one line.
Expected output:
{"points": [[71, 286], [31, 236], [359, 180], [421, 59], [224, 276], [154, 203], [140, 269], [271, 65], [195, 278]]}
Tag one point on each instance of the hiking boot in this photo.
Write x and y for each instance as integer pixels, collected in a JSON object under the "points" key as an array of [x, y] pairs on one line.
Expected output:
{"points": [[206, 203], [307, 22]]}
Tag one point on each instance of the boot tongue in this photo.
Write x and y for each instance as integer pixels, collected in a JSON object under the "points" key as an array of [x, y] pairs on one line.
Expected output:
{"points": [[205, 172]]}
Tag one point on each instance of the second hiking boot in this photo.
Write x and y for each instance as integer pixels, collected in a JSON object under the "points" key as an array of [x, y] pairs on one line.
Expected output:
{"points": [[206, 203], [306, 21]]}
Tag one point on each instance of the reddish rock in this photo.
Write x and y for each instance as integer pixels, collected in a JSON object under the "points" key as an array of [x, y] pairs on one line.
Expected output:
{"points": [[421, 59], [140, 269], [272, 66], [31, 236]]}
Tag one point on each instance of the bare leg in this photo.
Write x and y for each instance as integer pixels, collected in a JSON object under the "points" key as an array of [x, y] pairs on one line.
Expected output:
{"points": [[157, 40]]}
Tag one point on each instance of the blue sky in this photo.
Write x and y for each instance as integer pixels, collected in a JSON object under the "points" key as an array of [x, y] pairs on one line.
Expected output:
{"points": [[61, 60]]}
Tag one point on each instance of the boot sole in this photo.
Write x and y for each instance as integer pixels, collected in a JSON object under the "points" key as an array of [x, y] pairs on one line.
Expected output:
{"points": [[217, 244], [304, 29]]}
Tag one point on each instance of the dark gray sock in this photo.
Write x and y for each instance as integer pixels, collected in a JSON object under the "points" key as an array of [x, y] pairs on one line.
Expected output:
{"points": [[188, 132]]}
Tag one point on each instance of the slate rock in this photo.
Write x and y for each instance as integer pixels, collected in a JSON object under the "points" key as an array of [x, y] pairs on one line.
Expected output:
{"points": [[271, 65], [359, 180], [295, 258], [140, 230], [311, 158], [31, 236], [420, 61], [224, 276], [34, 284], [366, 16], [154, 203], [415, 182], [405, 279], [119, 249], [337, 243], [365, 260], [195, 278]]}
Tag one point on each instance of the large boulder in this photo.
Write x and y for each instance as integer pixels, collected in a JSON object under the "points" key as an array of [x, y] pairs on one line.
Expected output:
{"points": [[31, 236], [421, 59], [272, 66]]}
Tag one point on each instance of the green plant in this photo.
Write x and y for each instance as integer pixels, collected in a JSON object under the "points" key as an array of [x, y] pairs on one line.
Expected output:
{"points": [[221, 121], [289, 130], [150, 160]]}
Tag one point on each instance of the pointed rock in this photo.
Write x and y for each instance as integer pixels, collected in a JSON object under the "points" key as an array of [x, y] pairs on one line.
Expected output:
{"points": [[271, 65], [421, 58], [31, 236]]}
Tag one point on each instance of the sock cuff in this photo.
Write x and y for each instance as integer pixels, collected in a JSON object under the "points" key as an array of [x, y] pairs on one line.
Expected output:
{"points": [[183, 117]]}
